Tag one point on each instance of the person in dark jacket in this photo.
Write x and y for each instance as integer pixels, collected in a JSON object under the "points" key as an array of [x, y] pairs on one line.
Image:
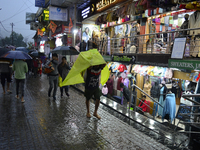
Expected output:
{"points": [[63, 70], [126, 92], [53, 75]]}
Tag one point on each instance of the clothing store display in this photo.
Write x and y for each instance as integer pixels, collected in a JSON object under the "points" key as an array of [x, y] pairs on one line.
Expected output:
{"points": [[169, 107], [185, 101], [194, 22]]}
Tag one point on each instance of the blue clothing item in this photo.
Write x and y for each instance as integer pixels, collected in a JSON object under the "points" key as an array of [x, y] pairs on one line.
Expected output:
{"points": [[183, 85], [169, 107], [161, 102], [155, 107]]}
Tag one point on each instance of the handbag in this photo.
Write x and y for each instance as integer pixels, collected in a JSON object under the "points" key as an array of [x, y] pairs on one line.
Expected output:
{"points": [[48, 70]]}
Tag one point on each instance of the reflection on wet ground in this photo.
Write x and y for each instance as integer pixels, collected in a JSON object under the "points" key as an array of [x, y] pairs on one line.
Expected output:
{"points": [[156, 130], [41, 123]]}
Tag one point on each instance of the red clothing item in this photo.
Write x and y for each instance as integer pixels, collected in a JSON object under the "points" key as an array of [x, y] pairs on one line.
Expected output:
{"points": [[121, 68], [118, 83], [143, 106]]}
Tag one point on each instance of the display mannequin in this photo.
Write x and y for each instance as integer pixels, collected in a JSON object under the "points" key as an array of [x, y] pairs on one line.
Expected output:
{"points": [[185, 25], [155, 91], [163, 92], [147, 88]]}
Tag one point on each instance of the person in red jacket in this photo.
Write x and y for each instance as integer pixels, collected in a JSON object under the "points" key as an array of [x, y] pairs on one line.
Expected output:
{"points": [[143, 104]]}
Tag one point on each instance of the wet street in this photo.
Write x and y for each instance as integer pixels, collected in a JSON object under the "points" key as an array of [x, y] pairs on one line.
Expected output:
{"points": [[41, 123]]}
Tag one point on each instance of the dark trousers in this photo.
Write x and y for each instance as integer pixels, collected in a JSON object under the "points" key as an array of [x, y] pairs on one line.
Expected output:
{"points": [[66, 88], [20, 84], [35, 69], [53, 83]]}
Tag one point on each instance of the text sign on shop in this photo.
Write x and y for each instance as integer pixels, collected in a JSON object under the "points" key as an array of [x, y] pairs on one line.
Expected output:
{"points": [[46, 15], [123, 59], [85, 12], [184, 64], [103, 3], [58, 14]]}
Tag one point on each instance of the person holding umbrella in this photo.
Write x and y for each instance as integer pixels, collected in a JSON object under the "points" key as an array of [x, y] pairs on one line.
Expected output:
{"points": [[63, 69], [20, 68]]}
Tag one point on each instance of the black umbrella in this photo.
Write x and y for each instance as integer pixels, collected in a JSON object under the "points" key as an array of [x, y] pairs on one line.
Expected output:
{"points": [[65, 50], [3, 51], [37, 54]]}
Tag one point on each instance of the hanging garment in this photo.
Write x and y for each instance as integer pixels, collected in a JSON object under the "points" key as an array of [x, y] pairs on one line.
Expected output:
{"points": [[126, 82], [161, 102], [169, 107], [122, 67], [155, 90], [147, 89], [194, 22], [118, 83], [109, 84]]}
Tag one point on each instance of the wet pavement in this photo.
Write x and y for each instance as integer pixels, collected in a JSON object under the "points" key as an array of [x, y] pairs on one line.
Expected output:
{"points": [[41, 123]]}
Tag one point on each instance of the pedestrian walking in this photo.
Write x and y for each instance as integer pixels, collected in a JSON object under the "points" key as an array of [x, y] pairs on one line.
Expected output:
{"points": [[35, 67], [40, 67], [63, 70], [91, 78], [6, 75], [53, 75], [20, 69]]}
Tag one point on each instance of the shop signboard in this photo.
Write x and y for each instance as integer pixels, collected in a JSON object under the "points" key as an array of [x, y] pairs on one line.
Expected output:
{"points": [[46, 15], [106, 4], [30, 17], [58, 14], [39, 3], [130, 59], [69, 40], [184, 64], [107, 58]]}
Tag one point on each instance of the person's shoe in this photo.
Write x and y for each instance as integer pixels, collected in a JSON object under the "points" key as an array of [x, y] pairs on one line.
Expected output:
{"points": [[9, 92], [97, 116], [17, 97], [88, 115], [67, 94], [23, 101]]}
